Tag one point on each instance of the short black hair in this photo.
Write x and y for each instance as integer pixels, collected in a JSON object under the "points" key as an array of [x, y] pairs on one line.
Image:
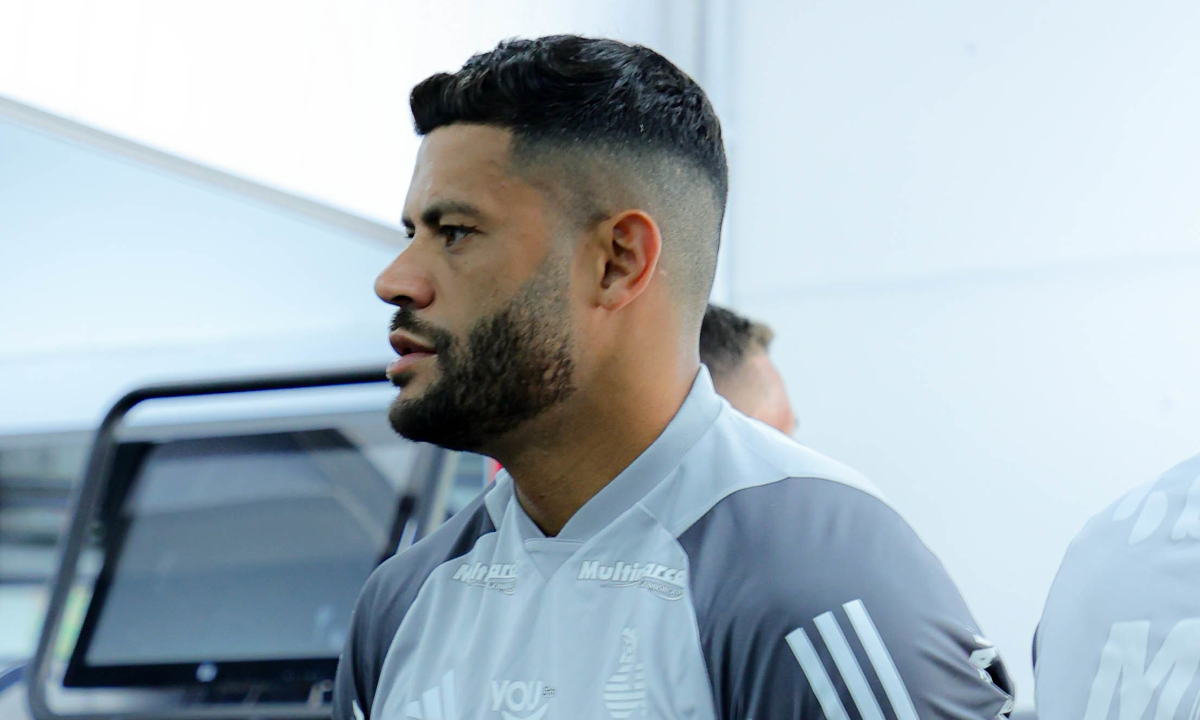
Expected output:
{"points": [[726, 339], [613, 104]]}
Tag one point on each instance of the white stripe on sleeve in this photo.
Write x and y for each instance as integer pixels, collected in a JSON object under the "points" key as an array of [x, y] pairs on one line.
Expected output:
{"points": [[818, 679], [881, 660], [848, 666]]}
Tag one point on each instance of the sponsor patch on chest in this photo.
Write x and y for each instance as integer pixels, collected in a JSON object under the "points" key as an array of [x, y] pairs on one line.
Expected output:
{"points": [[661, 580], [501, 577]]}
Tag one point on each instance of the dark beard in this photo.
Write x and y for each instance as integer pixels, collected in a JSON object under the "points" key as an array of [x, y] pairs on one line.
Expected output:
{"points": [[516, 365]]}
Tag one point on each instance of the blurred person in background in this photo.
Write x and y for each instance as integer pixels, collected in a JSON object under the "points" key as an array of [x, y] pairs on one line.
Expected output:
{"points": [[1120, 633], [734, 349], [647, 551]]}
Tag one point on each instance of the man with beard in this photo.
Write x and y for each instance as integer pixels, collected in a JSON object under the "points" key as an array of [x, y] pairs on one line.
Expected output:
{"points": [[734, 350], [647, 552]]}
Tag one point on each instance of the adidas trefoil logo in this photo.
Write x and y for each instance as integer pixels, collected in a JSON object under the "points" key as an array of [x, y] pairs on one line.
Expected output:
{"points": [[513, 699], [436, 703]]}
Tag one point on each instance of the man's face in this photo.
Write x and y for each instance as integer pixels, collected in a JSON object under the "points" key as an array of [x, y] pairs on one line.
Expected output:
{"points": [[483, 328], [756, 389]]}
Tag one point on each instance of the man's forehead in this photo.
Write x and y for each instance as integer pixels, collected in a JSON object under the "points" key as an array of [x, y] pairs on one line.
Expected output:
{"points": [[468, 142], [461, 162]]}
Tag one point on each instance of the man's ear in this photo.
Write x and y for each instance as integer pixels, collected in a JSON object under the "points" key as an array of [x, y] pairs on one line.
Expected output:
{"points": [[630, 245]]}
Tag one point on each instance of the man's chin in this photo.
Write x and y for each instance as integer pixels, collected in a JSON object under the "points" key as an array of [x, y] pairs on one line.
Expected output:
{"points": [[419, 413], [405, 418], [413, 423]]}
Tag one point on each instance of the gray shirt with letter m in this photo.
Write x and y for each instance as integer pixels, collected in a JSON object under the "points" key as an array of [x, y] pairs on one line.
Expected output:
{"points": [[1120, 634]]}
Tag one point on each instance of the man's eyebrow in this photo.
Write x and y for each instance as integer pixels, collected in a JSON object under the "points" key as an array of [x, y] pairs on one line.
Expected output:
{"points": [[432, 215]]}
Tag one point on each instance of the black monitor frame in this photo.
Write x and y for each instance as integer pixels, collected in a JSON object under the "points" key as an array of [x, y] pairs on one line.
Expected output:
{"points": [[283, 673], [98, 496]]}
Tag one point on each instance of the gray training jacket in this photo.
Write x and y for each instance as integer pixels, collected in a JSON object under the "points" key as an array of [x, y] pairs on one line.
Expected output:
{"points": [[727, 573], [1120, 635]]}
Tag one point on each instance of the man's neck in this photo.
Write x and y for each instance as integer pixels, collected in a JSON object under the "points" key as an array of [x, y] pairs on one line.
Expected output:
{"points": [[563, 459]]}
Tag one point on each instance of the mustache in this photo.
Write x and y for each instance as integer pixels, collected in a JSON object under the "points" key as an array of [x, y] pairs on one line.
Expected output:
{"points": [[406, 320]]}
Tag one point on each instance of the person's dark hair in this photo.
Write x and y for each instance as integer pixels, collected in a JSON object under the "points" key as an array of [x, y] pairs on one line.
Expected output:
{"points": [[726, 339], [619, 122]]}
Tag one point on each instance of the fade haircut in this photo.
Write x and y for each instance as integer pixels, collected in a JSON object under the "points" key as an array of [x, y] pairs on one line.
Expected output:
{"points": [[601, 126], [727, 339]]}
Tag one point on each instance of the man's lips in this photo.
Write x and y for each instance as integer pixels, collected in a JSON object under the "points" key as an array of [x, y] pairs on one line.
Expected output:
{"points": [[404, 362], [411, 351]]}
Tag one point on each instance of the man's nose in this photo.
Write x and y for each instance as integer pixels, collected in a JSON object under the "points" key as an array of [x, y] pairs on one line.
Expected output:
{"points": [[404, 283]]}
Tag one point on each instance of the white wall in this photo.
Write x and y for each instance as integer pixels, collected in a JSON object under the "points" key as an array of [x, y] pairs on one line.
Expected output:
{"points": [[310, 97], [115, 273], [976, 232]]}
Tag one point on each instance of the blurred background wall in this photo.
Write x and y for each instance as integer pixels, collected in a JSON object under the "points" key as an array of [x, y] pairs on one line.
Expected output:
{"points": [[974, 228]]}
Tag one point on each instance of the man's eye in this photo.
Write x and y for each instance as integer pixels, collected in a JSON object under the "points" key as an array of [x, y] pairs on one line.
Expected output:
{"points": [[453, 234]]}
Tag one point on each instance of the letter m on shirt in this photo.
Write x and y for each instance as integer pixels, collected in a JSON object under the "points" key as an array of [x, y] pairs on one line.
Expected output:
{"points": [[1123, 662]]}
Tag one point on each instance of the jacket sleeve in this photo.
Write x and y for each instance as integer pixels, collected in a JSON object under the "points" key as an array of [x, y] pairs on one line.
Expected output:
{"points": [[358, 668], [841, 613]]}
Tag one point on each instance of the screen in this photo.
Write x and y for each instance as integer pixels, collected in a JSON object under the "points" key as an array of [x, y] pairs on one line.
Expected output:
{"points": [[240, 548]]}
